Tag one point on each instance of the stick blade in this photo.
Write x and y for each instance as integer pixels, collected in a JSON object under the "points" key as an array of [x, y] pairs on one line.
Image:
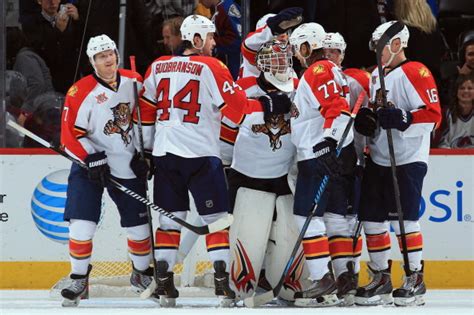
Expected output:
{"points": [[221, 224], [148, 291], [258, 300]]}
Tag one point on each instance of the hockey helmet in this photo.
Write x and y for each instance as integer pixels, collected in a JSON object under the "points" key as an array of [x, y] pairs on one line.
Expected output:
{"points": [[263, 20], [196, 24], [335, 41], [404, 35], [99, 44], [311, 33], [274, 59]]}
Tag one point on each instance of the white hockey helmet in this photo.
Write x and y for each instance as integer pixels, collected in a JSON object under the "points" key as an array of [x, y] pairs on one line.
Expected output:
{"points": [[335, 41], [99, 44], [263, 20], [274, 59], [196, 24], [404, 35], [311, 33]]}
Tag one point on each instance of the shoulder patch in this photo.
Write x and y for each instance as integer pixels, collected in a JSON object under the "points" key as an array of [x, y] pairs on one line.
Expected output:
{"points": [[72, 91], [318, 69], [424, 72]]}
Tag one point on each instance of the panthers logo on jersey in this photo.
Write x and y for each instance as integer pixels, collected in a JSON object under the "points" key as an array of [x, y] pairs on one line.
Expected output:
{"points": [[121, 123], [274, 128]]}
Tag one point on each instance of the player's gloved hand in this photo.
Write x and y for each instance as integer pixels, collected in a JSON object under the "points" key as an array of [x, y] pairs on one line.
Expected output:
{"points": [[285, 20], [365, 122], [325, 153], [143, 167], [99, 170], [394, 118], [275, 103]]}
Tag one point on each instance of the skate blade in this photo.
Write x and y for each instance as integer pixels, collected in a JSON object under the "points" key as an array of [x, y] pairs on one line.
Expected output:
{"points": [[347, 300], [411, 301], [167, 301], [323, 301], [226, 302], [381, 299], [71, 303]]}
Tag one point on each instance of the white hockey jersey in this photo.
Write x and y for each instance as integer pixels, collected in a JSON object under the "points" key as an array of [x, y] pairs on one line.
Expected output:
{"points": [[459, 134], [182, 101], [322, 108], [262, 149], [411, 87], [97, 118]]}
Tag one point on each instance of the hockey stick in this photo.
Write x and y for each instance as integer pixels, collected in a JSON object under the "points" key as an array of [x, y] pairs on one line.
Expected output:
{"points": [[219, 225], [257, 300], [383, 41], [142, 156]]}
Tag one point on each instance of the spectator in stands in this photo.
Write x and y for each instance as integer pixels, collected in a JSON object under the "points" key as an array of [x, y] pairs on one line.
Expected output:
{"points": [[459, 132], [229, 32], [425, 44], [32, 67], [466, 54], [171, 35], [54, 34]]}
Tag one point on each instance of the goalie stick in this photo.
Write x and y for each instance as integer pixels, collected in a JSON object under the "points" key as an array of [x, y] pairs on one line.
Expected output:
{"points": [[142, 156], [383, 41], [257, 300], [219, 225]]}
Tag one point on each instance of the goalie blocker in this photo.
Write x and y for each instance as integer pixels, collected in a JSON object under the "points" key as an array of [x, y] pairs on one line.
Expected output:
{"points": [[262, 239]]}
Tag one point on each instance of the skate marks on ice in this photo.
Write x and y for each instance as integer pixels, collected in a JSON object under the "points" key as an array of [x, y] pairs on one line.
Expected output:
{"points": [[38, 302]]}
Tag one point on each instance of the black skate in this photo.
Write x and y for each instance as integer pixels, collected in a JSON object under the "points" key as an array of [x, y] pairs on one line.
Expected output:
{"points": [[141, 280], [77, 290], [378, 291], [321, 293], [165, 293], [412, 291], [221, 283], [347, 285]]}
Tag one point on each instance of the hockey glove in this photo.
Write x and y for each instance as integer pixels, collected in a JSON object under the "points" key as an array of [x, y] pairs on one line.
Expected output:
{"points": [[287, 19], [99, 170], [394, 118], [365, 122], [325, 153], [275, 103], [143, 167]]}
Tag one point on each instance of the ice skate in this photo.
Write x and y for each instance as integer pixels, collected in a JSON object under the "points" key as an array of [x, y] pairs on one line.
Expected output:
{"points": [[321, 293], [412, 291], [222, 288], [165, 293], [347, 285], [378, 291], [141, 280], [77, 290]]}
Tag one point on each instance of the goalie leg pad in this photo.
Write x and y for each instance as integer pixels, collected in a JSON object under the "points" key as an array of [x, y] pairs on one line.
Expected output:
{"points": [[282, 240], [253, 213]]}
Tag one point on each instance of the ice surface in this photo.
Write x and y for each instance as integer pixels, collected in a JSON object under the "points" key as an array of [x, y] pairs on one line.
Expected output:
{"points": [[446, 302]]}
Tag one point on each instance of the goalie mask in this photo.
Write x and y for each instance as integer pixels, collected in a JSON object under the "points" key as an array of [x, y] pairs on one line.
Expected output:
{"points": [[274, 59], [99, 44]]}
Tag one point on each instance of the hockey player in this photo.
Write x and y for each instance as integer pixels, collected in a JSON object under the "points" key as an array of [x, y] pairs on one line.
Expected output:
{"points": [[268, 27], [262, 156], [340, 228], [97, 129], [182, 101], [414, 111], [317, 123]]}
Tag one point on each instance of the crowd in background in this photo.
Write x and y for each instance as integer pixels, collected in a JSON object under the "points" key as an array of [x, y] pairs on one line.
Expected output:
{"points": [[47, 53]]}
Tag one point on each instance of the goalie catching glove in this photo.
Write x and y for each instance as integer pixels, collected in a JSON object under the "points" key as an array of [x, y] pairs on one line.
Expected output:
{"points": [[285, 20], [98, 169]]}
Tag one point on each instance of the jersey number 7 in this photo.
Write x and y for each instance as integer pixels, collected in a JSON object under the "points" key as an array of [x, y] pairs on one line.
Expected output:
{"points": [[192, 106]]}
